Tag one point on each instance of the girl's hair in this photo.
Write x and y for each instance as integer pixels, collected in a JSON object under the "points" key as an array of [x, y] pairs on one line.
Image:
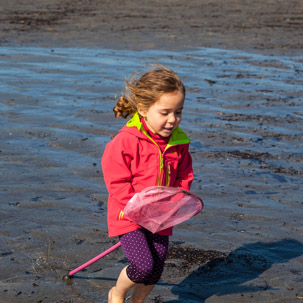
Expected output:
{"points": [[147, 90]]}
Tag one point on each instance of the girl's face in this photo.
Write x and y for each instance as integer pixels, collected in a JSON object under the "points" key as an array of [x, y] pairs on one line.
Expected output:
{"points": [[165, 114]]}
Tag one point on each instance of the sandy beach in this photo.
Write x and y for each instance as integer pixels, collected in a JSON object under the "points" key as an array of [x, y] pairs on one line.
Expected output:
{"points": [[62, 64]]}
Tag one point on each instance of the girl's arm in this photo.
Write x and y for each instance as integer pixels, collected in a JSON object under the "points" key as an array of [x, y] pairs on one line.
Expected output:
{"points": [[116, 165], [185, 174]]}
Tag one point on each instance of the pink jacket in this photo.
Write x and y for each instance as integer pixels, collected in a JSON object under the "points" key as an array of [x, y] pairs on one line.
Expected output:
{"points": [[132, 161]]}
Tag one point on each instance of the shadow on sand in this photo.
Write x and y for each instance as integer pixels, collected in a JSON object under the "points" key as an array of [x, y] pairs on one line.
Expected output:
{"points": [[223, 276]]}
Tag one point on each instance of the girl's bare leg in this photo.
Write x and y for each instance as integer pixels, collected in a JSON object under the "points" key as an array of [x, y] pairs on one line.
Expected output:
{"points": [[140, 292], [118, 293]]}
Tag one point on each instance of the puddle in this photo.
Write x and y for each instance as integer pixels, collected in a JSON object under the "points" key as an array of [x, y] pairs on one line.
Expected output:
{"points": [[243, 112]]}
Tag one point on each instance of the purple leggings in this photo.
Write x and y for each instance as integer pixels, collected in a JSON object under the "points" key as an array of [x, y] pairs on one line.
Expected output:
{"points": [[146, 253]]}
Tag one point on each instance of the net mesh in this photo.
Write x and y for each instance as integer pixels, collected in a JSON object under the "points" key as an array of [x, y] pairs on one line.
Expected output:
{"points": [[159, 207]]}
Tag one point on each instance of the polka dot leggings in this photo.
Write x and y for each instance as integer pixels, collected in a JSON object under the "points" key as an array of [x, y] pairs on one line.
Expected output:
{"points": [[146, 253]]}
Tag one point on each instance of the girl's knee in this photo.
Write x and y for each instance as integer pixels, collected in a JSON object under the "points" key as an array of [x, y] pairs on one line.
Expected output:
{"points": [[156, 275], [139, 275]]}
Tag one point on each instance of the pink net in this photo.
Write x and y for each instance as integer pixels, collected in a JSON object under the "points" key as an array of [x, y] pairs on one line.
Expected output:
{"points": [[159, 207]]}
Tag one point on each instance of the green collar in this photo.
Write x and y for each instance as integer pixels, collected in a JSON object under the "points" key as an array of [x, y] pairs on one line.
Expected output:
{"points": [[178, 136]]}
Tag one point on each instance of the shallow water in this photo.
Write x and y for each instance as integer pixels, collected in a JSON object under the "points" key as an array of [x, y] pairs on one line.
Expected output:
{"points": [[244, 114]]}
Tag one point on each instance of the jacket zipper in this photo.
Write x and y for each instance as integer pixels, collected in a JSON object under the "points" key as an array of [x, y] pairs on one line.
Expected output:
{"points": [[160, 178], [161, 171], [167, 173]]}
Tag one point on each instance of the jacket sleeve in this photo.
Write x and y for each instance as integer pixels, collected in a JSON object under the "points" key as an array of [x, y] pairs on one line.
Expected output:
{"points": [[116, 161], [185, 174]]}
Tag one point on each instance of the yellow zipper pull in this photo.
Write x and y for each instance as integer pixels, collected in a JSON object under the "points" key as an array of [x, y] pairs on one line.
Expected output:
{"points": [[167, 174]]}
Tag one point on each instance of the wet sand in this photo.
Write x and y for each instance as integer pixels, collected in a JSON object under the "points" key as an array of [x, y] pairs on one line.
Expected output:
{"points": [[62, 63], [269, 26]]}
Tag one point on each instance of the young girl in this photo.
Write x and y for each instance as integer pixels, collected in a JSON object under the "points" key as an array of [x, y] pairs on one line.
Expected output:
{"points": [[149, 150]]}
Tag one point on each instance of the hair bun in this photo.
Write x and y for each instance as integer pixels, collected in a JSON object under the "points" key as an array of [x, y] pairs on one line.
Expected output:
{"points": [[122, 108]]}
